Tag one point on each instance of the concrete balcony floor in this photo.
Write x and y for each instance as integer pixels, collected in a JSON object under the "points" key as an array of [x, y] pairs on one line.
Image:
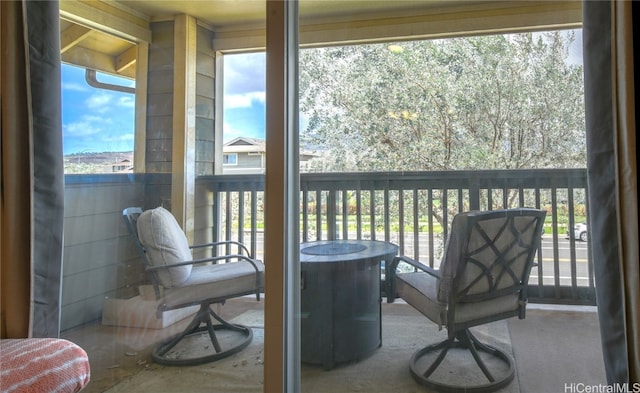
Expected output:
{"points": [[556, 349]]}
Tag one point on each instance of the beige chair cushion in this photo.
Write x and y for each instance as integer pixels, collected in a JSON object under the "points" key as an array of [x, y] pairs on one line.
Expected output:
{"points": [[216, 281], [166, 244], [420, 291]]}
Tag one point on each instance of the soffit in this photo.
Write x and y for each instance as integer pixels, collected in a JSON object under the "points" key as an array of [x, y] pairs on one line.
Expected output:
{"points": [[102, 35]]}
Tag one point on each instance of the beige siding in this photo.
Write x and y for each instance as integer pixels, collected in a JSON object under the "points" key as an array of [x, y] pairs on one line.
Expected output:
{"points": [[246, 160], [99, 258], [161, 96], [205, 70], [203, 220], [160, 99]]}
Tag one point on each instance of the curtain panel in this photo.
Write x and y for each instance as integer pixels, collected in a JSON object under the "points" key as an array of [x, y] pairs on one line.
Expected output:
{"points": [[610, 107], [32, 169]]}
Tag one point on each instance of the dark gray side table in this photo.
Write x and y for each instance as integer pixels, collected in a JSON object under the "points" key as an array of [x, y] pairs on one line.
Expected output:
{"points": [[340, 299]]}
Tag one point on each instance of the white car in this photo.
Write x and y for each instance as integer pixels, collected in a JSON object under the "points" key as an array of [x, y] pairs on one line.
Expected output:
{"points": [[579, 232]]}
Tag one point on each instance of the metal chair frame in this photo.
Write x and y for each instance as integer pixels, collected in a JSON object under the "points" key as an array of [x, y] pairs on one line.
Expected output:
{"points": [[459, 335], [203, 319]]}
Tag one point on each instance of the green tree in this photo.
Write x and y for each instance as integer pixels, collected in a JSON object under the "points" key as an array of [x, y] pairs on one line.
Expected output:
{"points": [[486, 102]]}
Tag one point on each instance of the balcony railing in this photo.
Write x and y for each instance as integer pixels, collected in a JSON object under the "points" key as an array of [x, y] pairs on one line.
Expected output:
{"points": [[414, 211]]}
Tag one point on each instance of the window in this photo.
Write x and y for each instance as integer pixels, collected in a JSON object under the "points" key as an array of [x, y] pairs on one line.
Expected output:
{"points": [[244, 93], [97, 123], [230, 159]]}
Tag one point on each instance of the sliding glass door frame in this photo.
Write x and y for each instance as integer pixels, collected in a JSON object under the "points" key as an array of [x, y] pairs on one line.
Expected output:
{"points": [[282, 288]]}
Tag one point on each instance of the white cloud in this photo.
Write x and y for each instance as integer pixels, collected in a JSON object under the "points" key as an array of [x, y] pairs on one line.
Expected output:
{"points": [[127, 102], [99, 102], [244, 73], [81, 129], [97, 119], [232, 101], [87, 125], [74, 87], [119, 138]]}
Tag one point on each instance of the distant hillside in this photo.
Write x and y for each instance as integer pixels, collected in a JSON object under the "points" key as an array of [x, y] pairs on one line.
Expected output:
{"points": [[103, 162], [99, 158]]}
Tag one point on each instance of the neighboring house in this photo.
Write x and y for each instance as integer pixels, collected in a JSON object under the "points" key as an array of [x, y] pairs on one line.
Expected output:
{"points": [[122, 166], [247, 155], [243, 155]]}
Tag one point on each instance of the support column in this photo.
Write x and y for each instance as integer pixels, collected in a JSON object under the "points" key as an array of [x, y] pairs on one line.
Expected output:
{"points": [[184, 123], [140, 142]]}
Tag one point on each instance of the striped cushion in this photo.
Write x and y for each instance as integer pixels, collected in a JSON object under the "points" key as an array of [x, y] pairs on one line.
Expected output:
{"points": [[42, 365]]}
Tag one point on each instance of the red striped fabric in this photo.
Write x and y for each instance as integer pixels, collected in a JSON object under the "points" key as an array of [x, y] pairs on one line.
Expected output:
{"points": [[42, 365]]}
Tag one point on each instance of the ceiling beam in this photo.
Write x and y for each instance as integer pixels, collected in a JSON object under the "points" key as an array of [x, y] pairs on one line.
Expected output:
{"points": [[453, 20], [102, 16], [94, 60], [126, 59], [72, 36]]}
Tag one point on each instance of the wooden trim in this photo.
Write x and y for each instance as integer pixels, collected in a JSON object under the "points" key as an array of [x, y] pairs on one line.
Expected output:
{"points": [[126, 59], [417, 23], [94, 60], [218, 128], [184, 123], [274, 253], [103, 16], [73, 35], [140, 133]]}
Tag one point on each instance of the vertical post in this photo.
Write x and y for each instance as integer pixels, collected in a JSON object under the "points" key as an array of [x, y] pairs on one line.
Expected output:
{"points": [[282, 278], [474, 195], [332, 228], [140, 141], [219, 115], [184, 123]]}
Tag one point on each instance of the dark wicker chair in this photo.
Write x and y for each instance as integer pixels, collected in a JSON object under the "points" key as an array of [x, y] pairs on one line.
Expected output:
{"points": [[482, 278], [180, 281]]}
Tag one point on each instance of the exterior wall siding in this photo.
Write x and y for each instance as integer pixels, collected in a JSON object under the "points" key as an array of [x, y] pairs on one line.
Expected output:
{"points": [[160, 99], [246, 160], [205, 92], [99, 258]]}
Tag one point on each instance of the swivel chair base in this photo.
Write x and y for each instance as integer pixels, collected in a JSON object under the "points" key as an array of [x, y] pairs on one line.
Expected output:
{"points": [[163, 354], [465, 340]]}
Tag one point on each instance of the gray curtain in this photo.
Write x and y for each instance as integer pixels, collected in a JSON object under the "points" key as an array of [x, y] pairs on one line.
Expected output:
{"points": [[32, 169], [48, 167], [610, 107]]}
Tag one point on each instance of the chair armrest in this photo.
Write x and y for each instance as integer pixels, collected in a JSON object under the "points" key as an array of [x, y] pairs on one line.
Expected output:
{"points": [[390, 274], [228, 258], [417, 264], [223, 243]]}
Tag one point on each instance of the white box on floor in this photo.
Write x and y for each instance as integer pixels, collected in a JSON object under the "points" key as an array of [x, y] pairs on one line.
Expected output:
{"points": [[140, 311]]}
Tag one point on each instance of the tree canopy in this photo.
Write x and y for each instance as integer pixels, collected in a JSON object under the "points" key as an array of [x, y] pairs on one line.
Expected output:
{"points": [[486, 102]]}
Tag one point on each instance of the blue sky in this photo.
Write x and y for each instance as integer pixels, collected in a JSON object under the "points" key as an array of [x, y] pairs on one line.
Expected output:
{"points": [[95, 120], [98, 120], [244, 96]]}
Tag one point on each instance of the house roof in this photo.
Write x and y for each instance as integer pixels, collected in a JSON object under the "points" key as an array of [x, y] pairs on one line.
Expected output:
{"points": [[253, 145], [244, 145]]}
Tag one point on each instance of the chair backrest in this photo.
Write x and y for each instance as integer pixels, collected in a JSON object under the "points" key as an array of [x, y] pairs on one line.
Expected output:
{"points": [[490, 254], [160, 241]]}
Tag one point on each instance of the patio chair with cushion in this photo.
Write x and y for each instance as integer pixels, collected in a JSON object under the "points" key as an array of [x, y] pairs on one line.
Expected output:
{"points": [[482, 278], [180, 281]]}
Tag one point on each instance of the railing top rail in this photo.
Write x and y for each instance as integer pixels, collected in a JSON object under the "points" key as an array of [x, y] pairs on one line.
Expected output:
{"points": [[521, 178]]}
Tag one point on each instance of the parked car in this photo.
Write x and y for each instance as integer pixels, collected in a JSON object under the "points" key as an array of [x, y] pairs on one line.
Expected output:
{"points": [[579, 232]]}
